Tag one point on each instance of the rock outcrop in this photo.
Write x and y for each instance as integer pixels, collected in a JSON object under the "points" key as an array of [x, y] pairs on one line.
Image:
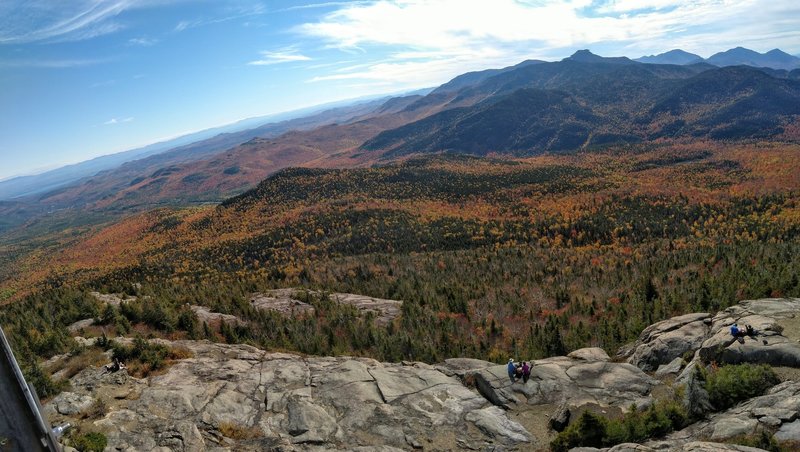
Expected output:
{"points": [[294, 302], [709, 339], [775, 411], [237, 397], [586, 377], [663, 342], [283, 301], [693, 446], [215, 319], [242, 398], [768, 346]]}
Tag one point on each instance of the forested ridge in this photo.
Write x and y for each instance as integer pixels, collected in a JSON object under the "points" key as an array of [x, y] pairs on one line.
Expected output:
{"points": [[491, 257]]}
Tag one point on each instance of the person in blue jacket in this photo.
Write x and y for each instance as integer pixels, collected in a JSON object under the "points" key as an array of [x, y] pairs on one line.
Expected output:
{"points": [[512, 370]]}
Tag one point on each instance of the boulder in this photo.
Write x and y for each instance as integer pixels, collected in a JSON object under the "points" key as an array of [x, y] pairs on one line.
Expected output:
{"points": [[709, 338], [590, 354], [69, 403], [789, 432], [79, 325], [673, 368], [584, 379], [731, 427], [667, 340], [493, 421], [205, 315], [560, 417]]}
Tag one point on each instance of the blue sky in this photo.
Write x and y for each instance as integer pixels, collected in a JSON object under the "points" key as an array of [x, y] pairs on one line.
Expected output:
{"points": [[83, 78]]}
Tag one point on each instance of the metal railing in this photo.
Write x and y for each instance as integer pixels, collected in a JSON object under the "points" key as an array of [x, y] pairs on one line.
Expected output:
{"points": [[23, 426]]}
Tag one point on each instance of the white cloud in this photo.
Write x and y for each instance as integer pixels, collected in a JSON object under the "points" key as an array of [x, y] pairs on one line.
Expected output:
{"points": [[321, 5], [445, 24], [435, 39], [283, 56], [185, 24], [37, 20], [51, 63], [638, 5], [228, 13], [24, 21], [113, 121], [143, 41]]}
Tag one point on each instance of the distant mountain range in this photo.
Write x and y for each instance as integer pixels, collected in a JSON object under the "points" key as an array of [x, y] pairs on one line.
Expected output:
{"points": [[775, 59], [191, 146], [583, 101], [587, 100]]}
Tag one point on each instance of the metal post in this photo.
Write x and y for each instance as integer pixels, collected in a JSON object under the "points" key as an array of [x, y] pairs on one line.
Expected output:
{"points": [[22, 424]]}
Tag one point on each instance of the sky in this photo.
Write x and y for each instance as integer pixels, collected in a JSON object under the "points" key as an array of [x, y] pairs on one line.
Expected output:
{"points": [[84, 78]]}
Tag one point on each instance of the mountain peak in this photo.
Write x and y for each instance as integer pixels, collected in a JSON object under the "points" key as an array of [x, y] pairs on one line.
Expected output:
{"points": [[775, 58], [586, 56], [675, 56]]}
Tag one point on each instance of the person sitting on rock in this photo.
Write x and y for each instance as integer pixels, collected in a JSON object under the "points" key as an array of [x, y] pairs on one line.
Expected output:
{"points": [[512, 370], [750, 331], [526, 371], [115, 366], [736, 332]]}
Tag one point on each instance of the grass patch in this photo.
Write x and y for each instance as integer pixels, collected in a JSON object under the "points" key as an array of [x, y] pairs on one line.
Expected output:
{"points": [[79, 360], [762, 440], [235, 431], [98, 409], [143, 358]]}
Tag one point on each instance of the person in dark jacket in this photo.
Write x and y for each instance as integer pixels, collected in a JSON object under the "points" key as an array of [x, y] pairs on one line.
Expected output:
{"points": [[526, 372]]}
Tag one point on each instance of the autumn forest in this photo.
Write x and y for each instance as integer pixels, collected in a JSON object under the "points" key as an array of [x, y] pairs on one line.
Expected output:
{"points": [[490, 256]]}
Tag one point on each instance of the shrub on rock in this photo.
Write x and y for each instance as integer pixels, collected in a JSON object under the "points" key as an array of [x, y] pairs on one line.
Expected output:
{"points": [[90, 442], [731, 384], [591, 430]]}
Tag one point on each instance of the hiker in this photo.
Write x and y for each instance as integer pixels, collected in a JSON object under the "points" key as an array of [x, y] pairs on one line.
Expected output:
{"points": [[115, 366], [736, 332], [750, 331], [518, 370], [526, 371], [512, 370]]}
